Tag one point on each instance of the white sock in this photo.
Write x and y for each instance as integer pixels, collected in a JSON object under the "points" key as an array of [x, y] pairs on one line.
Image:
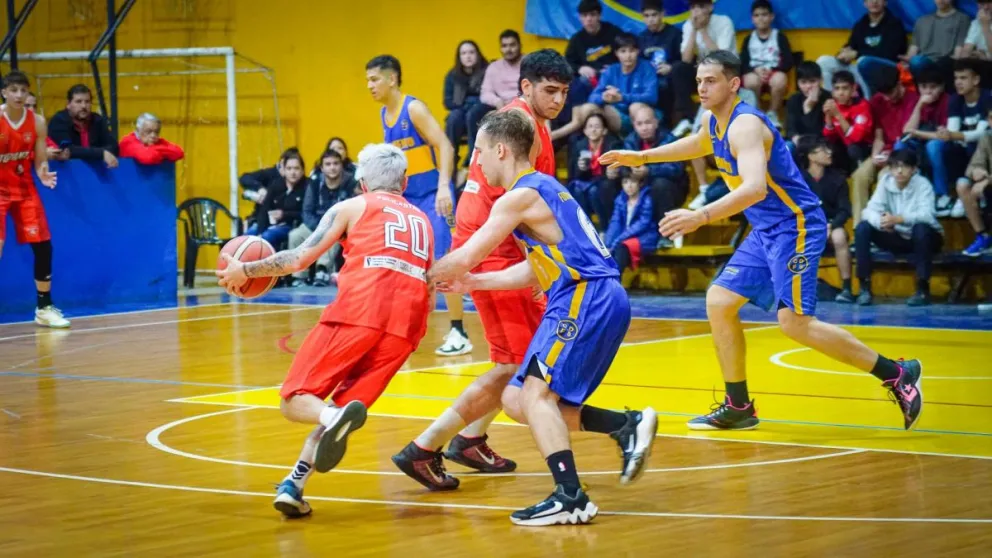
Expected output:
{"points": [[479, 427], [300, 473], [329, 415], [441, 430]]}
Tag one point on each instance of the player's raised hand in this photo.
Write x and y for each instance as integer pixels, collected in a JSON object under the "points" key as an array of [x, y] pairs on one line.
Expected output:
{"points": [[680, 222], [622, 158], [233, 276]]}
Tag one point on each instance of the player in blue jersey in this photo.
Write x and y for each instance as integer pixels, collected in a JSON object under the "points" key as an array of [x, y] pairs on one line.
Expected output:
{"points": [[408, 124], [587, 315], [776, 265]]}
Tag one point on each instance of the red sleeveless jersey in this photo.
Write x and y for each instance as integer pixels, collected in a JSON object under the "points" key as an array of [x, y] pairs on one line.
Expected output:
{"points": [[17, 142], [383, 284], [478, 198]]}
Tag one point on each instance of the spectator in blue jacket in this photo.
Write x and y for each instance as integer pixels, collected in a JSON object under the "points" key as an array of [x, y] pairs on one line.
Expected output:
{"points": [[633, 228], [668, 182]]}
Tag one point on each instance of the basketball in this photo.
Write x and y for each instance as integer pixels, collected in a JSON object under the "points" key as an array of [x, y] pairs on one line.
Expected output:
{"points": [[249, 249]]}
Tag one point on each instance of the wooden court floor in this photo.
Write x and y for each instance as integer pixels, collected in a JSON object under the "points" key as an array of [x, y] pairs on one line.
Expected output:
{"points": [[157, 434]]}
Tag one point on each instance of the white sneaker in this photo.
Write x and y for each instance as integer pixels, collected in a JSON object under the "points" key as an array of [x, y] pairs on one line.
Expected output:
{"points": [[682, 128], [957, 211], [50, 316], [700, 200], [455, 344], [773, 118]]}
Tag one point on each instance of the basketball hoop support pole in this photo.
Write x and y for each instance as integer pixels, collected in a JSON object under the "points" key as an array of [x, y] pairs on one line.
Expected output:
{"points": [[232, 131]]}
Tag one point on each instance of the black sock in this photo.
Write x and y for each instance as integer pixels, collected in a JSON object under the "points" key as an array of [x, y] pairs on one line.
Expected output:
{"points": [[847, 284], [457, 324], [44, 299], [923, 286], [865, 285], [562, 465], [886, 369], [605, 421], [737, 392]]}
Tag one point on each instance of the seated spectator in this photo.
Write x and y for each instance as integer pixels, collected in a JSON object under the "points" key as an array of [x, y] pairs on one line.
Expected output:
{"points": [[660, 44], [282, 208], [929, 115], [971, 191], [625, 87], [31, 103], [949, 147], [329, 187], [255, 184], [145, 146], [900, 218], [702, 33], [87, 133], [848, 123], [936, 38], [589, 51], [462, 91], [668, 182], [501, 83], [830, 186], [976, 43], [766, 58], [891, 108], [877, 40], [633, 229], [804, 114], [586, 176]]}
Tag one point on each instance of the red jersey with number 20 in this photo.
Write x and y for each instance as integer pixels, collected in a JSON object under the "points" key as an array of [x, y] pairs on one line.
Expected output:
{"points": [[383, 284], [17, 142], [478, 198]]}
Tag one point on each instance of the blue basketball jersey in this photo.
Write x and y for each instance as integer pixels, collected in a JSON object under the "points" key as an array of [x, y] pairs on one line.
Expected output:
{"points": [[788, 198], [421, 166], [580, 256]]}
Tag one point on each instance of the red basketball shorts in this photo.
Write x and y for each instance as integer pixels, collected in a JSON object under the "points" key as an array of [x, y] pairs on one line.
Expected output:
{"points": [[30, 223], [509, 319], [346, 362]]}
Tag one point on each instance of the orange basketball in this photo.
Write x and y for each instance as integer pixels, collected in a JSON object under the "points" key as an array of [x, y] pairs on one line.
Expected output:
{"points": [[249, 249]]}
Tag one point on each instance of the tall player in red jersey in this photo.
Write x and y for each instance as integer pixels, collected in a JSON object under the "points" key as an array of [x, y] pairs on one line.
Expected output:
{"points": [[22, 141], [367, 333], [509, 318]]}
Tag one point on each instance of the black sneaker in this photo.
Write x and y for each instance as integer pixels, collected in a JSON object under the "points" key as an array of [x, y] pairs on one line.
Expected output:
{"points": [[725, 416], [476, 454], [845, 296], [425, 467], [906, 392], [334, 441], [918, 299], [558, 509], [864, 298], [635, 440]]}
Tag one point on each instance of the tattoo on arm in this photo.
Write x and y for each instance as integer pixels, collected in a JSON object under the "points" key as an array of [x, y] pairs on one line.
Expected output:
{"points": [[284, 263]]}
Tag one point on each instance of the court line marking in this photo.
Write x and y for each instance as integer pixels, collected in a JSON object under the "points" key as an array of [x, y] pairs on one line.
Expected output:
{"points": [[68, 352], [146, 324], [777, 359], [128, 312], [342, 500], [154, 439]]}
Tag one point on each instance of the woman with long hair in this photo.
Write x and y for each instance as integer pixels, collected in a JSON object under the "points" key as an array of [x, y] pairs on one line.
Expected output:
{"points": [[462, 88]]}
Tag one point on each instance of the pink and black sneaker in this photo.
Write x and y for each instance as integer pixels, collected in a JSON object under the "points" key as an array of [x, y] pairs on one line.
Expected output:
{"points": [[475, 453], [906, 392], [425, 467], [724, 416]]}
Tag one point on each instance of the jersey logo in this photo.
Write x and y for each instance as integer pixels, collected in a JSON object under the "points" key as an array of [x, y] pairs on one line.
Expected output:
{"points": [[16, 156], [567, 329], [404, 124], [565, 196], [471, 187], [798, 263], [28, 137]]}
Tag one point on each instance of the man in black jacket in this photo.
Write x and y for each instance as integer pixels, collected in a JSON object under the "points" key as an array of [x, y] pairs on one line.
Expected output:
{"points": [[88, 133], [877, 39]]}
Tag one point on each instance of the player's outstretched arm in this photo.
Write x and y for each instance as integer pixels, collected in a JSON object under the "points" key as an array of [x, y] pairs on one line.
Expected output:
{"points": [[507, 213], [517, 276], [690, 147], [46, 176]]}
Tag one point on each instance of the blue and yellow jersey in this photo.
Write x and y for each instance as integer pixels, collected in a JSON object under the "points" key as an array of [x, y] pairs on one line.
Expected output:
{"points": [[421, 164], [580, 256], [788, 198]]}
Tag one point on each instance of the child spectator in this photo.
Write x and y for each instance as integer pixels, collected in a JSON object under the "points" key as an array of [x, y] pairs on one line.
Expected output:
{"points": [[804, 109], [626, 86], [971, 190], [660, 44], [766, 58], [633, 229], [145, 146], [702, 33], [586, 176], [588, 52], [900, 218], [848, 123], [831, 187]]}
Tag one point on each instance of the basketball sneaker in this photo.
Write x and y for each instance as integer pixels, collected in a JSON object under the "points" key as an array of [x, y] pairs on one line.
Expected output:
{"points": [[425, 467], [557, 509], [635, 440], [905, 391], [50, 316], [476, 454], [455, 344], [289, 500], [334, 441], [725, 416]]}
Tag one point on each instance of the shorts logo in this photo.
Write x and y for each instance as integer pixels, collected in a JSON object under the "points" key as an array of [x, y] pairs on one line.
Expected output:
{"points": [[798, 263], [567, 329]]}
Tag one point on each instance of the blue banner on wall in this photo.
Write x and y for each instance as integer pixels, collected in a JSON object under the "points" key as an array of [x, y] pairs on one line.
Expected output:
{"points": [[560, 18], [113, 238]]}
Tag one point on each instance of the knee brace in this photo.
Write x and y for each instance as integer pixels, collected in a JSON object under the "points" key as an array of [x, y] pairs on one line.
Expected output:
{"points": [[42, 260]]}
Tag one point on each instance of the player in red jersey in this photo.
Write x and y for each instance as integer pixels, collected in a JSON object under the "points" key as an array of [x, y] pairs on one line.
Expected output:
{"points": [[367, 333], [509, 318], [22, 141]]}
